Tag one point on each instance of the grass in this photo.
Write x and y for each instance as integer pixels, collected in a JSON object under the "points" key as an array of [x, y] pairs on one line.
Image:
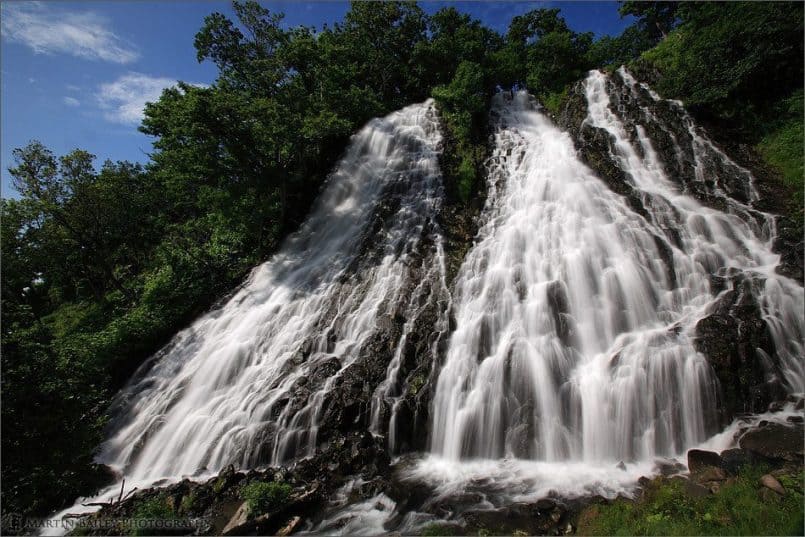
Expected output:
{"points": [[435, 530], [782, 146], [737, 509], [152, 509], [188, 502], [262, 497]]}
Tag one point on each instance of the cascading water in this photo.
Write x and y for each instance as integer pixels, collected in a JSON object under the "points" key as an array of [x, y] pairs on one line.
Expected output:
{"points": [[575, 316], [781, 298], [576, 312], [248, 384]]}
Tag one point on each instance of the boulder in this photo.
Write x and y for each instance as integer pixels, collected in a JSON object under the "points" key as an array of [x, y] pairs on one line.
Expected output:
{"points": [[768, 495], [546, 519], [290, 526], [733, 460], [694, 490], [668, 467], [709, 474], [775, 441], [699, 459], [238, 519], [771, 483]]}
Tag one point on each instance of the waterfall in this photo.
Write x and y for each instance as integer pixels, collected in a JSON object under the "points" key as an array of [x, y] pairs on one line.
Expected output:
{"points": [[568, 341], [576, 309], [781, 299], [254, 381]]}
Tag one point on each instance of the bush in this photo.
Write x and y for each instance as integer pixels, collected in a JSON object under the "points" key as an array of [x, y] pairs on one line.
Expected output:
{"points": [[553, 101], [262, 497], [152, 509]]}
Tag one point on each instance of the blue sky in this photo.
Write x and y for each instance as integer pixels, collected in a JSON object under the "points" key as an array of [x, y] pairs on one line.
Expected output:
{"points": [[76, 74]]}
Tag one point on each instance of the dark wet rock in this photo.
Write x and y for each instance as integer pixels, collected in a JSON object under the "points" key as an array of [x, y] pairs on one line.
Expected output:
{"points": [[219, 505], [522, 517], [790, 246], [794, 419], [709, 475], [560, 310], [776, 441], [699, 459], [447, 528], [695, 490], [737, 343], [734, 460], [668, 467]]}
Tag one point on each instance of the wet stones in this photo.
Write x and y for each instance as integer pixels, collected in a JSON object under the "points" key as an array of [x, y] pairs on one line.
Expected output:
{"points": [[545, 517], [735, 459], [665, 467], [736, 341]]}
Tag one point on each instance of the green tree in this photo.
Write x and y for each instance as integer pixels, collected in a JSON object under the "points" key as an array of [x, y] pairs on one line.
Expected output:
{"points": [[551, 55], [655, 19], [725, 55]]}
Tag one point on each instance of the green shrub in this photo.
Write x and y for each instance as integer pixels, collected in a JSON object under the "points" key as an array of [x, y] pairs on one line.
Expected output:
{"points": [[262, 497], [188, 502], [553, 101], [152, 509], [466, 177], [435, 529], [462, 105]]}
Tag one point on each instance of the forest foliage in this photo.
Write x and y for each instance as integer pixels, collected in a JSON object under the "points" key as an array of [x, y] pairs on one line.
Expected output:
{"points": [[101, 265]]}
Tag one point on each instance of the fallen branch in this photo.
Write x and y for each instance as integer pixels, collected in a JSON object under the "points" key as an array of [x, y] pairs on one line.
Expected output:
{"points": [[122, 484]]}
